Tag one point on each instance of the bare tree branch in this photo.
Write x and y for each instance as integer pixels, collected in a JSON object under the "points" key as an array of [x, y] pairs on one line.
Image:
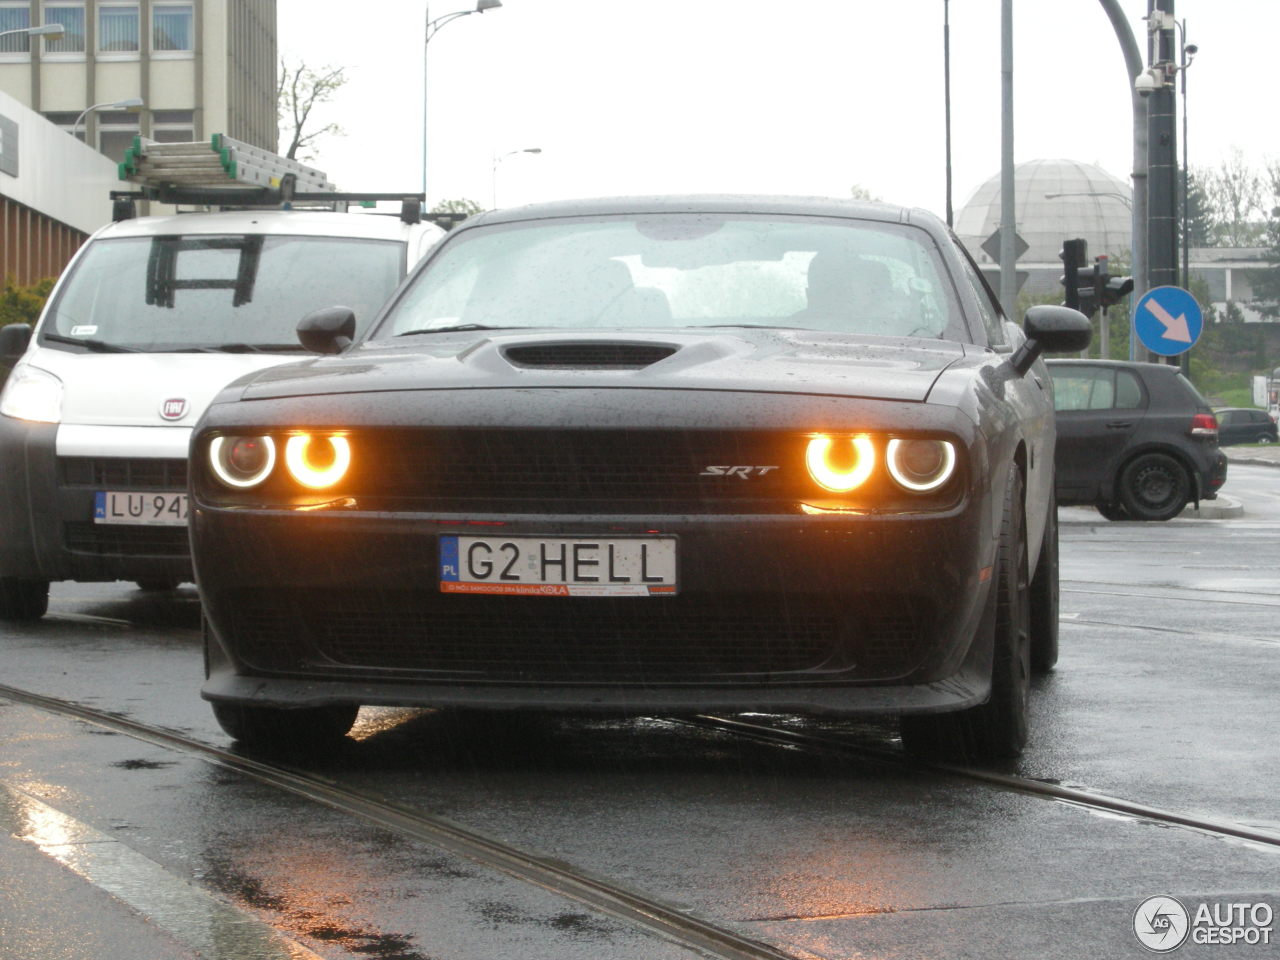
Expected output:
{"points": [[300, 90]]}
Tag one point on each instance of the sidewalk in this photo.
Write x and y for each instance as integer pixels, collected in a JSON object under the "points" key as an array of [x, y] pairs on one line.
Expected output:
{"points": [[1268, 455]]}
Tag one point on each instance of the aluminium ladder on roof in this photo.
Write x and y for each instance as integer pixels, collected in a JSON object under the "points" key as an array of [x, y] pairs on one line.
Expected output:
{"points": [[217, 162]]}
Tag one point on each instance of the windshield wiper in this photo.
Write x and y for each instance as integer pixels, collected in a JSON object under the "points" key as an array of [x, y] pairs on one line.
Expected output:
{"points": [[253, 348], [455, 328], [98, 346]]}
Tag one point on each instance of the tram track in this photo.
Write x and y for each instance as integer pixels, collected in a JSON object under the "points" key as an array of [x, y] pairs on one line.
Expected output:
{"points": [[1102, 803], [597, 894]]}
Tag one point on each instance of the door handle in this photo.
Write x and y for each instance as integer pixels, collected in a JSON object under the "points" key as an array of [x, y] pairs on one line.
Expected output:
{"points": [[1119, 424]]}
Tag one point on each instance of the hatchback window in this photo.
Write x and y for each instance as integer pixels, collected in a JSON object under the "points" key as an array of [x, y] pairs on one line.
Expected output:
{"points": [[185, 292], [686, 270]]}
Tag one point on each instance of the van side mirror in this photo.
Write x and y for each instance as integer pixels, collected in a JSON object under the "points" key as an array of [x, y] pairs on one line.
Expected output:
{"points": [[330, 330], [14, 340], [1051, 329]]}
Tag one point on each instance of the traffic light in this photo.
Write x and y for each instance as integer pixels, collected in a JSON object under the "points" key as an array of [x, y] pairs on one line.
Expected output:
{"points": [[1086, 287]]}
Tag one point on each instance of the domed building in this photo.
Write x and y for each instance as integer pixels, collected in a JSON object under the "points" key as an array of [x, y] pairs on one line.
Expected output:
{"points": [[1054, 200]]}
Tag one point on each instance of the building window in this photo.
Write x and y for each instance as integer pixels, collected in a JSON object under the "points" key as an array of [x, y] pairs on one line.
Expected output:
{"points": [[173, 126], [16, 46], [65, 120], [173, 30], [116, 130], [69, 46], [118, 31]]}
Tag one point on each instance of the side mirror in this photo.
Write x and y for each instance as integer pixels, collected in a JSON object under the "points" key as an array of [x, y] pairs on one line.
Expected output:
{"points": [[14, 339], [330, 330], [1051, 329]]}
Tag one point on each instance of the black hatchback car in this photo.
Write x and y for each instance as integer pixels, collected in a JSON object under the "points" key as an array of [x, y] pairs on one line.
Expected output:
{"points": [[1136, 440], [653, 454], [1245, 425]]}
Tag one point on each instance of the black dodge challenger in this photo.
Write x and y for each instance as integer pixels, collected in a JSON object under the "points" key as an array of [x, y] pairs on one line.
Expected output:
{"points": [[639, 455]]}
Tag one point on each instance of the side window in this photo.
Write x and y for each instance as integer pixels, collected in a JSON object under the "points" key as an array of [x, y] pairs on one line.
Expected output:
{"points": [[1128, 391], [992, 320], [1084, 388], [1226, 418]]}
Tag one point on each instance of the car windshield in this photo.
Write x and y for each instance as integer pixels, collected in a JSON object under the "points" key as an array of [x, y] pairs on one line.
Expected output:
{"points": [[684, 270], [239, 292]]}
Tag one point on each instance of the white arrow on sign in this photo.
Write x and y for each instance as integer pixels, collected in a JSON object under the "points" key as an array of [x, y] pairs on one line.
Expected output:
{"points": [[1175, 328]]}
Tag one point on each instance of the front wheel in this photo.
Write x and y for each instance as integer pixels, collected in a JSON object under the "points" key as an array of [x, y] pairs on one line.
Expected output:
{"points": [[299, 730], [23, 600], [996, 729], [1112, 511], [1154, 486]]}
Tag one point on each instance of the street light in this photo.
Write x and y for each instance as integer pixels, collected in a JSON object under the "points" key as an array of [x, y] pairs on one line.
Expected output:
{"points": [[1188, 54], [50, 30], [432, 28], [133, 105], [497, 159]]}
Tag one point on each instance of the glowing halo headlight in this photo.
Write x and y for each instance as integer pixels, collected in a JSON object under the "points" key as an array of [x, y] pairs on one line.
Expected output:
{"points": [[921, 465], [840, 477], [317, 471], [242, 462]]}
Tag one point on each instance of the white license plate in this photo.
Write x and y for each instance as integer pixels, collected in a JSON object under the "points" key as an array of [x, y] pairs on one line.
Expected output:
{"points": [[140, 509], [559, 566]]}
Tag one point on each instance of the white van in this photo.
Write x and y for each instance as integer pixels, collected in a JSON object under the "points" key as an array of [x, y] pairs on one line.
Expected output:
{"points": [[149, 320]]}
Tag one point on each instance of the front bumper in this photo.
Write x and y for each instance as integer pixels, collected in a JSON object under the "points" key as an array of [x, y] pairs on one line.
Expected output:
{"points": [[47, 528], [828, 614]]}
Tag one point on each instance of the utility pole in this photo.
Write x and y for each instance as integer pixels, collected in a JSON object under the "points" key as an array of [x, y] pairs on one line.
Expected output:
{"points": [[1162, 231], [1008, 217]]}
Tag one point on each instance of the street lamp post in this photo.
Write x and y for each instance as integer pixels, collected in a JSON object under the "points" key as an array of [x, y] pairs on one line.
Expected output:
{"points": [[497, 159], [133, 105], [1188, 53], [430, 30], [50, 30]]}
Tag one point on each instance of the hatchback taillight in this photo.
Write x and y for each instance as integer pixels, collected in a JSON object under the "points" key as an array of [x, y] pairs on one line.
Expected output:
{"points": [[1204, 425]]}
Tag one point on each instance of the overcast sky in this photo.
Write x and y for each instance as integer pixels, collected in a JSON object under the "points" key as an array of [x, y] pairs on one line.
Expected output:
{"points": [[799, 97]]}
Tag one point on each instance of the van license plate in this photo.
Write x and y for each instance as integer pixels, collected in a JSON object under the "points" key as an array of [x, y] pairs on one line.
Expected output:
{"points": [[559, 566], [140, 509]]}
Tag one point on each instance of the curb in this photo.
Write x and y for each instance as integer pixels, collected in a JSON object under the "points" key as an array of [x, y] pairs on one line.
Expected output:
{"points": [[1223, 508]]}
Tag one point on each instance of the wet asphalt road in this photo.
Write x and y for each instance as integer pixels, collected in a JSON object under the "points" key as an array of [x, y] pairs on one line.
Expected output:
{"points": [[1165, 694]]}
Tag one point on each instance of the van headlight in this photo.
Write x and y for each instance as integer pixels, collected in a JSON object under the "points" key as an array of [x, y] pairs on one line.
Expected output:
{"points": [[32, 394]]}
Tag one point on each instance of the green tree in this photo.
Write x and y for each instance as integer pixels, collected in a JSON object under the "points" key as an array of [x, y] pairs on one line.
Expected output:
{"points": [[1235, 194], [1266, 282], [460, 205], [1201, 226], [300, 90]]}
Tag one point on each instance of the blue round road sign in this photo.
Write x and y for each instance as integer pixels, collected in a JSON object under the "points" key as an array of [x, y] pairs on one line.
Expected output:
{"points": [[1168, 320]]}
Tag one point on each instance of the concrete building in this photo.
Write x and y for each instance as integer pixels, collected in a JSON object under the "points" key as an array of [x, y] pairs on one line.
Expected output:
{"points": [[198, 67]]}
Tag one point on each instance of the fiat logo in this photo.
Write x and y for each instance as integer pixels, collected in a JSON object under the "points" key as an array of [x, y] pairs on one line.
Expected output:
{"points": [[174, 408]]}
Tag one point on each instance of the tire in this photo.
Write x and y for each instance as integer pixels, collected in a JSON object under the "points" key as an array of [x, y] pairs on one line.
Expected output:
{"points": [[23, 600], [997, 729], [1154, 487], [1112, 511], [293, 730], [156, 586], [1044, 598], [1265, 438]]}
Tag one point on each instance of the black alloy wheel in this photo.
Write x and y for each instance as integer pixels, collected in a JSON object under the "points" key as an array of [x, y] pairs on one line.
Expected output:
{"points": [[293, 731], [1154, 486], [23, 600], [997, 729], [1045, 597]]}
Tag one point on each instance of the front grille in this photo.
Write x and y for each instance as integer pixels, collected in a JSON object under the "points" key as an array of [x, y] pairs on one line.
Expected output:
{"points": [[578, 465], [669, 640], [126, 541], [124, 473]]}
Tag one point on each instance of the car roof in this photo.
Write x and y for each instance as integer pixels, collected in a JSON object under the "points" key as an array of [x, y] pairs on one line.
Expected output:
{"points": [[315, 223], [707, 203]]}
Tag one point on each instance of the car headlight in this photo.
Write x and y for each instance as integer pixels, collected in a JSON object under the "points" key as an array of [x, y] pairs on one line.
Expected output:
{"points": [[920, 465], [317, 462], [840, 465], [32, 394], [242, 462]]}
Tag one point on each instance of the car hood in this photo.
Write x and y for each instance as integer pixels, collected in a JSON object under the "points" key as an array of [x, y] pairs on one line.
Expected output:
{"points": [[778, 361], [130, 389]]}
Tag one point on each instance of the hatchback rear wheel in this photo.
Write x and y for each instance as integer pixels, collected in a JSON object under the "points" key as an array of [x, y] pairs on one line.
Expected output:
{"points": [[1154, 486]]}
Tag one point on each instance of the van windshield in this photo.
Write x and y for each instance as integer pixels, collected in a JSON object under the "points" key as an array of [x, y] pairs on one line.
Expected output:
{"points": [[226, 291]]}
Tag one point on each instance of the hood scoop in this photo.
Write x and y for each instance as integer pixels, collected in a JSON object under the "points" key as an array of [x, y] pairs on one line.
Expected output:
{"points": [[588, 355]]}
